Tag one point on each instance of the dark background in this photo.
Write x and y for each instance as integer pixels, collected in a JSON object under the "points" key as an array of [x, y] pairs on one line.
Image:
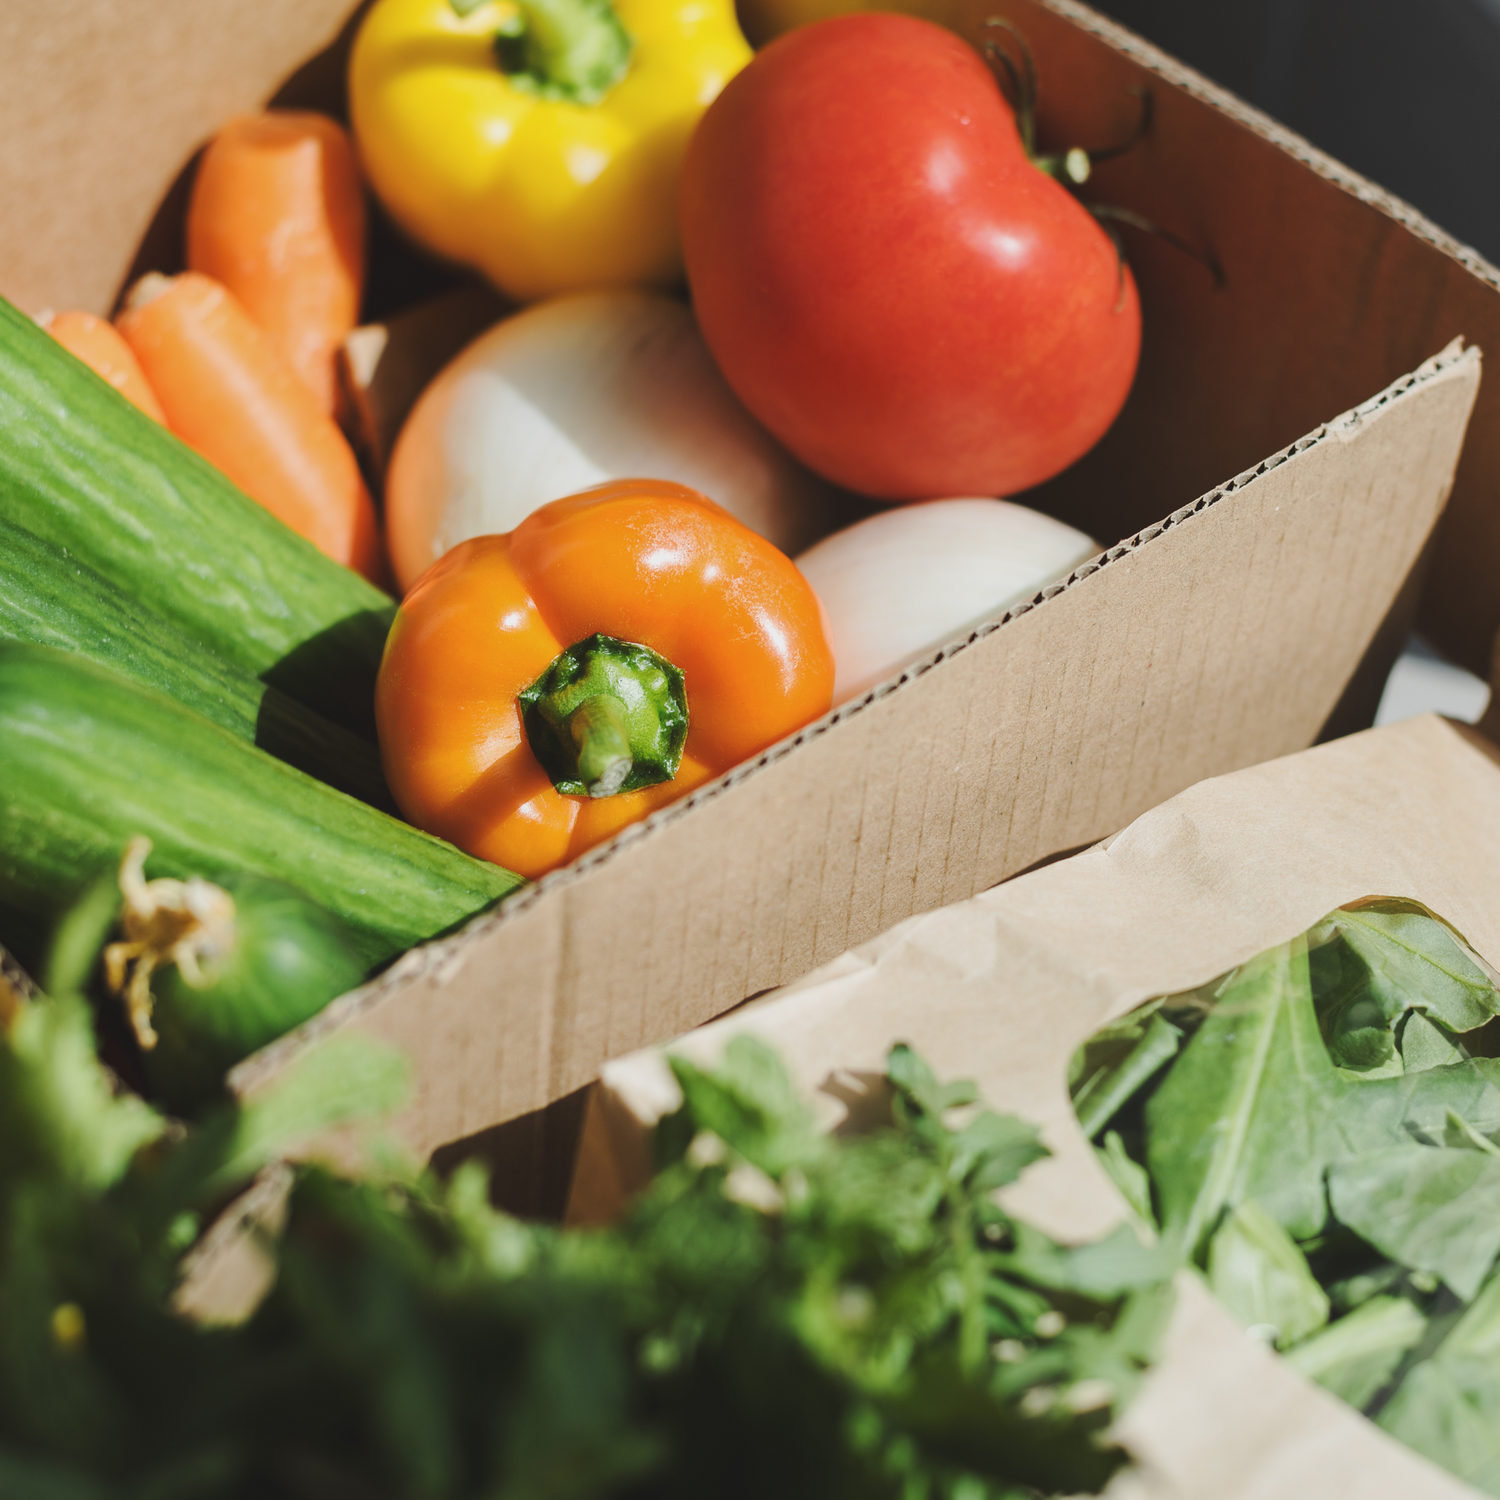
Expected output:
{"points": [[1406, 92]]}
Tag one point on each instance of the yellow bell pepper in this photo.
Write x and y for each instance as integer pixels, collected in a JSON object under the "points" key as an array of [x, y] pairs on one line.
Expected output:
{"points": [[539, 140]]}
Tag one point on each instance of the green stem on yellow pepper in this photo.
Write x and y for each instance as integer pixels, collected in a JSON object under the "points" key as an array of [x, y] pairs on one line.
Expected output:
{"points": [[560, 49]]}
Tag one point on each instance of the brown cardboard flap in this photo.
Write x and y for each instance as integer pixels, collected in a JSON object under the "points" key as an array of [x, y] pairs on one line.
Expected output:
{"points": [[1332, 288], [1214, 640], [103, 103], [1003, 987]]}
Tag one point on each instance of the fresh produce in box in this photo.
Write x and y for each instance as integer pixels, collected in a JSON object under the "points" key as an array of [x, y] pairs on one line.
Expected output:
{"points": [[83, 470], [889, 279], [1317, 1131], [228, 392], [904, 581], [539, 141], [89, 761], [572, 392], [543, 689], [277, 217]]}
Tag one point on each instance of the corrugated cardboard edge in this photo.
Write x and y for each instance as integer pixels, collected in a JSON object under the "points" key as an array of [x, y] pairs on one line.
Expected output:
{"points": [[1451, 376], [225, 1275], [1189, 890]]}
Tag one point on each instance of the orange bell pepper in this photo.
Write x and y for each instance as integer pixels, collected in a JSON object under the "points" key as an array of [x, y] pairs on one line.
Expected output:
{"points": [[515, 650]]}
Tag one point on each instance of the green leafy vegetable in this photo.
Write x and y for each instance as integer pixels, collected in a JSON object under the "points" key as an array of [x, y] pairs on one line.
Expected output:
{"points": [[1448, 1407], [1325, 1143], [1431, 1208], [1256, 1270], [782, 1312], [1115, 1062], [1379, 961], [1250, 1108], [61, 1117], [1356, 1357], [1132, 1179], [1425, 1044]]}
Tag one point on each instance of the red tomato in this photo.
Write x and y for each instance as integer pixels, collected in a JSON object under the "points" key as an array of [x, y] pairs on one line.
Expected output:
{"points": [[886, 280]]}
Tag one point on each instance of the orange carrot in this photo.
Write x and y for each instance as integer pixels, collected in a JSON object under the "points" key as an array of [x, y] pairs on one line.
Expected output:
{"points": [[229, 394], [278, 216], [99, 345]]}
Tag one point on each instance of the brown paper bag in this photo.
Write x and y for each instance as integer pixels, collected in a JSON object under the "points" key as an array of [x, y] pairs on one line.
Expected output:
{"points": [[1003, 987]]}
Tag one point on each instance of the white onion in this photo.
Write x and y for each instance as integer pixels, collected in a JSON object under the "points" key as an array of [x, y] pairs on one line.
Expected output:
{"points": [[571, 392], [907, 580]]}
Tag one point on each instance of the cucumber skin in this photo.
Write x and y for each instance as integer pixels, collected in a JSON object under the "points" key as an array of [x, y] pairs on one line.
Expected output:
{"points": [[89, 760], [85, 470], [51, 599], [290, 958]]}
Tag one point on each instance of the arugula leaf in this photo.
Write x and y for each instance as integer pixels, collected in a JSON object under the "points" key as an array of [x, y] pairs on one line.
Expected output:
{"points": [[1255, 1108], [1448, 1406], [1328, 1096], [1121, 1262], [1130, 1177], [910, 1075], [1431, 1208], [1259, 1274], [1118, 1060], [1373, 964], [1425, 1044], [60, 1115], [1459, 1133], [750, 1102], [1250, 1107], [1356, 1356]]}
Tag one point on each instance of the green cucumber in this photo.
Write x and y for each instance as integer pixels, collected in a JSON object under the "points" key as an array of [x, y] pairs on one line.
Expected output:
{"points": [[89, 761], [81, 468], [286, 960], [52, 600], [225, 969]]}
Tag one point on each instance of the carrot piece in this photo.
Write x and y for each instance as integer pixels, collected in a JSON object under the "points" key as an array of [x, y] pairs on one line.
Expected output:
{"points": [[229, 394], [278, 216], [99, 345]]}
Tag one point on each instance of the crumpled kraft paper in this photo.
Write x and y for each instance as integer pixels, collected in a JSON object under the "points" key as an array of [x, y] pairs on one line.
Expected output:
{"points": [[1003, 987]]}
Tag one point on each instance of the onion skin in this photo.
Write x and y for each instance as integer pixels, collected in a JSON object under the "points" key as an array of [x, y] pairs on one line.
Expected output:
{"points": [[905, 581], [289, 958], [572, 393]]}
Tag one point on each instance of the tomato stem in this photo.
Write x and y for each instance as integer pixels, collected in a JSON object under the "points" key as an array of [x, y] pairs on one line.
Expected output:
{"points": [[1076, 164], [1205, 258], [1021, 77]]}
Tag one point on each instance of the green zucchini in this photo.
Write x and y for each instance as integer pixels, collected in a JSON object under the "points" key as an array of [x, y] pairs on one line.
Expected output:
{"points": [[52, 600], [89, 760], [81, 468]]}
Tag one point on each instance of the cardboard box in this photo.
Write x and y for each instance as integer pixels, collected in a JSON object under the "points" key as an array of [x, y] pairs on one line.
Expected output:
{"points": [[1229, 627], [1003, 988]]}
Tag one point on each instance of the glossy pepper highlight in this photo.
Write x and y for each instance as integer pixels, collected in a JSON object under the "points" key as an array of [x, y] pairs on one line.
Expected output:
{"points": [[543, 689], [539, 140]]}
